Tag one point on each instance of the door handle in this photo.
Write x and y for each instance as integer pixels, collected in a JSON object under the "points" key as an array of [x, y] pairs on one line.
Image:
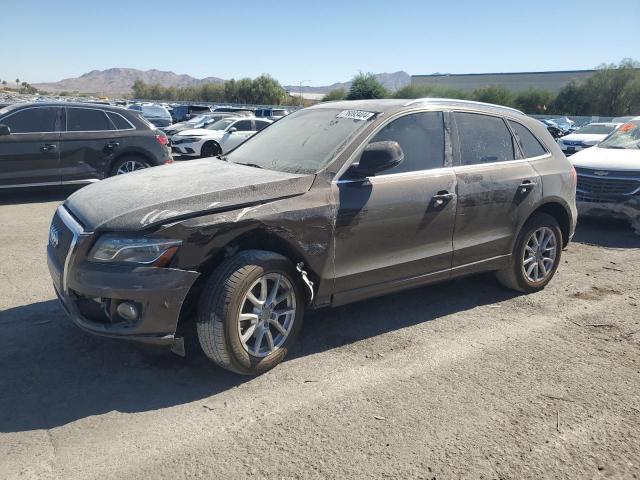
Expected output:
{"points": [[47, 147], [442, 197], [526, 186]]}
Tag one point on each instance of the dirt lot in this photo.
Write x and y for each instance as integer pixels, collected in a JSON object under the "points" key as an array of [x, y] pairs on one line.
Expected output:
{"points": [[461, 380]]}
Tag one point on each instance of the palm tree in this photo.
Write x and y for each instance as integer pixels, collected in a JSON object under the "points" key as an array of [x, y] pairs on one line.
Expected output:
{"points": [[18, 81]]}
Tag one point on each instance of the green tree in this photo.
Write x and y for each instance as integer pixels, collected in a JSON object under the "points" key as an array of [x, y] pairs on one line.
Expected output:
{"points": [[494, 94], [430, 91], [364, 86], [534, 101], [18, 81], [334, 95], [267, 90], [140, 89]]}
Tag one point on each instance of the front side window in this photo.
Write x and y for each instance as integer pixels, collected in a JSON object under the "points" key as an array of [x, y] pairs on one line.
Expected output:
{"points": [[86, 120], [421, 137], [33, 120], [531, 147], [483, 139]]}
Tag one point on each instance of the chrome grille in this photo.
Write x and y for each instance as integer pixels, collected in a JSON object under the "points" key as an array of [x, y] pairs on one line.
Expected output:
{"points": [[605, 188], [60, 238]]}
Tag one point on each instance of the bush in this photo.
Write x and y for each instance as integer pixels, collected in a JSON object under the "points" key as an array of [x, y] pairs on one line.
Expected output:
{"points": [[334, 95], [365, 86]]}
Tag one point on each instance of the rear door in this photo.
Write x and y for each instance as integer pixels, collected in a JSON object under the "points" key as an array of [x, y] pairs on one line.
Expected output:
{"points": [[89, 144], [397, 226], [495, 188], [30, 155]]}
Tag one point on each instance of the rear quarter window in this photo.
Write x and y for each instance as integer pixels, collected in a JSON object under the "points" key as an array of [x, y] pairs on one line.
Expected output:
{"points": [[531, 146]]}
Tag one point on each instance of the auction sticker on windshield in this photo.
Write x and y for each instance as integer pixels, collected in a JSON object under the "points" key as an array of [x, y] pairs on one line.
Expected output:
{"points": [[355, 114]]}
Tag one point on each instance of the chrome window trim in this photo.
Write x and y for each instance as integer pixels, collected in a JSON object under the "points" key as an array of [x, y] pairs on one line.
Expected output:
{"points": [[49, 184], [415, 173], [66, 126], [506, 162]]}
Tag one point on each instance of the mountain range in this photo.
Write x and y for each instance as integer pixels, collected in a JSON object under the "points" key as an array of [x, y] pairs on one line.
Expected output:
{"points": [[120, 80]]}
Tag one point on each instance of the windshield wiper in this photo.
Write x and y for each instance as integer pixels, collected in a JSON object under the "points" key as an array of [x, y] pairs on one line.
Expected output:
{"points": [[249, 165]]}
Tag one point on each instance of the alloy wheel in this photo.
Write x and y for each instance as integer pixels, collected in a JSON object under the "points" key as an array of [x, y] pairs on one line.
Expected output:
{"points": [[130, 166], [267, 314], [539, 254]]}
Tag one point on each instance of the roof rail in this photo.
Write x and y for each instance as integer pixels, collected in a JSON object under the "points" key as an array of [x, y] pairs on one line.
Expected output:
{"points": [[456, 100]]}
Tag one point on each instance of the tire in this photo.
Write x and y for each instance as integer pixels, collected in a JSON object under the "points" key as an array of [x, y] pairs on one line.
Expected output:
{"points": [[225, 297], [128, 164], [515, 275], [210, 149]]}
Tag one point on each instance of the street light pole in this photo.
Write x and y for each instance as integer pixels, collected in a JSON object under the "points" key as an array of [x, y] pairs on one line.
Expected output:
{"points": [[301, 98]]}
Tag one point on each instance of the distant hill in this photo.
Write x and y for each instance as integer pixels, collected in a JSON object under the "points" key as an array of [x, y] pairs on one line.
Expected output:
{"points": [[391, 81], [120, 80]]}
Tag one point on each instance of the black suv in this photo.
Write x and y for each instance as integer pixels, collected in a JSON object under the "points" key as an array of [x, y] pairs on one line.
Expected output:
{"points": [[332, 204], [73, 143]]}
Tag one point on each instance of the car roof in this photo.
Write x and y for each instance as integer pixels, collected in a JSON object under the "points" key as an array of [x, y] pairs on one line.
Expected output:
{"points": [[100, 106], [392, 105]]}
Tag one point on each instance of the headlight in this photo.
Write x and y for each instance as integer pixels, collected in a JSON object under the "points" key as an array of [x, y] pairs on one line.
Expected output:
{"points": [[145, 250], [185, 140]]}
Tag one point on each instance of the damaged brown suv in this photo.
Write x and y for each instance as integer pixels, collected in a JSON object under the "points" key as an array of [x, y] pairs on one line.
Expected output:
{"points": [[333, 204]]}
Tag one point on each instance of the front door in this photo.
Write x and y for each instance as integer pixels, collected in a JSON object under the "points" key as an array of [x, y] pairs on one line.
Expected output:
{"points": [[242, 130], [30, 154], [397, 225], [496, 187]]}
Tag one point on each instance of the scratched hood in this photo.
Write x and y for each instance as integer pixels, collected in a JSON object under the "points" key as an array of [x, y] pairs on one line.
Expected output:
{"points": [[162, 194]]}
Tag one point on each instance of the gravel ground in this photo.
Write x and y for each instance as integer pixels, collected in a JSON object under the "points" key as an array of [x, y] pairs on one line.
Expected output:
{"points": [[459, 380]]}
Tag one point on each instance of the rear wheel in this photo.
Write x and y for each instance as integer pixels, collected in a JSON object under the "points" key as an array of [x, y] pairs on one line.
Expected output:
{"points": [[535, 257], [250, 312], [210, 149], [128, 165]]}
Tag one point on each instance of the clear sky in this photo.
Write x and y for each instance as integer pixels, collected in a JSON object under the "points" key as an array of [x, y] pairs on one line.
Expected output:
{"points": [[320, 42]]}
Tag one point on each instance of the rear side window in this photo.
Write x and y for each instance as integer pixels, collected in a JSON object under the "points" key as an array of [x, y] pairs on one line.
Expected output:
{"points": [[421, 136], [33, 120], [243, 126], [87, 120], [119, 121], [531, 146], [483, 139], [260, 125]]}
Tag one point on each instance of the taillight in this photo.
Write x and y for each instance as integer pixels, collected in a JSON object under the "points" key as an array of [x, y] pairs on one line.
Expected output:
{"points": [[162, 140], [168, 161]]}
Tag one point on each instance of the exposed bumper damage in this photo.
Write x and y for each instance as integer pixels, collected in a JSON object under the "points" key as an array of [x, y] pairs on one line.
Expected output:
{"points": [[628, 210], [92, 293]]}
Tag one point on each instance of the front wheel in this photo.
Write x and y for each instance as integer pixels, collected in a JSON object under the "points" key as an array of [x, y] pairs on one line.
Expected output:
{"points": [[535, 257], [210, 149], [250, 312]]}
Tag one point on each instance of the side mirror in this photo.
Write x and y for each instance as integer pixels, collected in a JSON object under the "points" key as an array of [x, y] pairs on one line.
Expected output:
{"points": [[378, 156], [232, 129], [4, 130]]}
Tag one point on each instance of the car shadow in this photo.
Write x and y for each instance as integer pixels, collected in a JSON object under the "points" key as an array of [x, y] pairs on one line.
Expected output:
{"points": [[54, 374], [606, 232], [36, 195]]}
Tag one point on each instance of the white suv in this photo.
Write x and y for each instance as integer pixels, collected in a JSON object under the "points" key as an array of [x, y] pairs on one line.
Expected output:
{"points": [[217, 138]]}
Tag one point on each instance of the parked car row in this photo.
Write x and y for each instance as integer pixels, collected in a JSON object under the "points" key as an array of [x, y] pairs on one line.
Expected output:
{"points": [[585, 137]]}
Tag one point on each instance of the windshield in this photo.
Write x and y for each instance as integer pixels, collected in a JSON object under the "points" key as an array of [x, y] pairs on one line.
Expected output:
{"points": [[154, 111], [303, 142], [626, 137], [596, 129], [196, 120], [220, 124]]}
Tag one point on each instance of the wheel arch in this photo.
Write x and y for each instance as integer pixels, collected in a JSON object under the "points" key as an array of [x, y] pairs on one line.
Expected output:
{"points": [[558, 210], [214, 142], [128, 153]]}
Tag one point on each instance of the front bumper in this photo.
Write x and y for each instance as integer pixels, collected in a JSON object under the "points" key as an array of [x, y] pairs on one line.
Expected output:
{"points": [[624, 210], [90, 292]]}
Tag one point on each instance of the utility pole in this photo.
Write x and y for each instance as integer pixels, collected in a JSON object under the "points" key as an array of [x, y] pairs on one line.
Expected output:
{"points": [[301, 98]]}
